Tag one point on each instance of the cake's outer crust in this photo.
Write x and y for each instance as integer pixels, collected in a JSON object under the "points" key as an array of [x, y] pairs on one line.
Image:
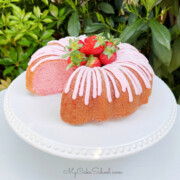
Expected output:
{"points": [[76, 112], [35, 86]]}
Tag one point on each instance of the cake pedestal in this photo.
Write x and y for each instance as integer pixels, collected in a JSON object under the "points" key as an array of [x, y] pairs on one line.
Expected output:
{"points": [[37, 121]]}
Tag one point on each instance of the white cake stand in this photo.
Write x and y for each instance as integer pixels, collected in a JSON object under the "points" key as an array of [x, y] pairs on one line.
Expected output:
{"points": [[36, 119]]}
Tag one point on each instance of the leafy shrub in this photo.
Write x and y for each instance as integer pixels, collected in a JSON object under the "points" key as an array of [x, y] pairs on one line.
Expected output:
{"points": [[153, 26]]}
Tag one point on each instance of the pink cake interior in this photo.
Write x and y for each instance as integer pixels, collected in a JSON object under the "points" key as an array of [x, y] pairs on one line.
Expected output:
{"points": [[51, 77]]}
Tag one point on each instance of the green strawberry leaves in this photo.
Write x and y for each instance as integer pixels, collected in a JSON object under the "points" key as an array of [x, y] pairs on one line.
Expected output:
{"points": [[76, 57], [109, 50], [100, 40]]}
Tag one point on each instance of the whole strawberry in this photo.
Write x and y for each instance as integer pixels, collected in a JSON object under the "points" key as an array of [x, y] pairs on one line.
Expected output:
{"points": [[74, 67], [76, 59], [112, 41], [93, 62], [93, 45], [109, 55]]}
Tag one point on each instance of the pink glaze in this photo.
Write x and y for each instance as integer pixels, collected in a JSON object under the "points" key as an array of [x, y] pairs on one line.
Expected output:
{"points": [[128, 58], [53, 51]]}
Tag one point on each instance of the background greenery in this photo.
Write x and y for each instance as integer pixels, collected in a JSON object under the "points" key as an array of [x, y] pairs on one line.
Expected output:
{"points": [[153, 26]]}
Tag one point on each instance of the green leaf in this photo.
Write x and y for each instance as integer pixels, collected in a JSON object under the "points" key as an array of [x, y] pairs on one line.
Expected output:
{"points": [[53, 10], [34, 36], [100, 17], [175, 31], [47, 20], [93, 27], [24, 42], [16, 8], [160, 33], [156, 2], [22, 14], [3, 18], [162, 52], [4, 51], [74, 25], [27, 16], [110, 21], [132, 18], [45, 13], [106, 7], [118, 4], [20, 70], [6, 61], [175, 62], [4, 41], [8, 70], [45, 41], [45, 2], [13, 53], [37, 11], [141, 43], [142, 28], [28, 53], [59, 22], [18, 36], [46, 34], [40, 26], [62, 11], [129, 31]]}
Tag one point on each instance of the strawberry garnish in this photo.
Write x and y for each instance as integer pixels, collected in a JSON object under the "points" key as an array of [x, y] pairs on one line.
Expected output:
{"points": [[105, 60], [74, 44], [93, 45], [109, 55], [95, 51], [112, 41], [86, 39], [93, 62], [75, 66], [76, 59]]}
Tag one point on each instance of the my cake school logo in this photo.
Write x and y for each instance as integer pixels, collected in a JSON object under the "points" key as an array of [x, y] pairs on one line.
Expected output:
{"points": [[90, 171]]}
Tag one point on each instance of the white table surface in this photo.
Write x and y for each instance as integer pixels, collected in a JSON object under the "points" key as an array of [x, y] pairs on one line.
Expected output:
{"points": [[20, 161]]}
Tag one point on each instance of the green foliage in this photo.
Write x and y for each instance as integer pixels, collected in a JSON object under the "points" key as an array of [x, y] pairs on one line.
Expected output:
{"points": [[105, 7], [74, 25], [153, 26]]}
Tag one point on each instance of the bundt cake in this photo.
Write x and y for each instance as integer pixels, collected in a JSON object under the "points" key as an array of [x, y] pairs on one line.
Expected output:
{"points": [[46, 73], [110, 91], [100, 79]]}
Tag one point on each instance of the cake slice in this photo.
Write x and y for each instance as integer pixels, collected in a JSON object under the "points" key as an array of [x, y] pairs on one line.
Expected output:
{"points": [[46, 73]]}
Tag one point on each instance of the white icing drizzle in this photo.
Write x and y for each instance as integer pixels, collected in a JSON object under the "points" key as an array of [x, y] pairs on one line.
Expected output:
{"points": [[83, 83], [76, 87], [88, 85], [99, 80], [117, 94], [51, 58], [94, 85], [108, 87]]}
